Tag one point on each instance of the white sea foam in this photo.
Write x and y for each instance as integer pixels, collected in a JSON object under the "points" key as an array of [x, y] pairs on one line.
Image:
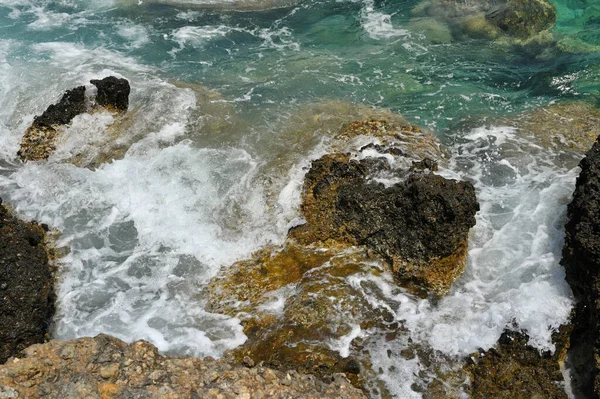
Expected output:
{"points": [[379, 25]]}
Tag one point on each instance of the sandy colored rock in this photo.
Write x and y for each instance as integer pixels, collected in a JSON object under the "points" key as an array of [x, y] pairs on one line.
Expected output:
{"points": [[104, 367]]}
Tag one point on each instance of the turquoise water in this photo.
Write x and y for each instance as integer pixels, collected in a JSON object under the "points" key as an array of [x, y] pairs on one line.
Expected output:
{"points": [[227, 110]]}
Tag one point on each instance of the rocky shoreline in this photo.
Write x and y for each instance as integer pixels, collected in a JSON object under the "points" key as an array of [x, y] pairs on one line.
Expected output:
{"points": [[379, 207]]}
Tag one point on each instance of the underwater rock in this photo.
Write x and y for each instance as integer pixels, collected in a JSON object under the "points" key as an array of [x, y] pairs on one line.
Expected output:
{"points": [[581, 260], [106, 367], [515, 22], [419, 225], [26, 285], [513, 369], [297, 303], [523, 18], [112, 93], [572, 126], [40, 139]]}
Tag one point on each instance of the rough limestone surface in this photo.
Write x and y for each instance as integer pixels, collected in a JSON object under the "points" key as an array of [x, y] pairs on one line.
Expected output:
{"points": [[104, 367], [26, 281], [41, 138], [581, 259], [515, 370], [419, 225]]}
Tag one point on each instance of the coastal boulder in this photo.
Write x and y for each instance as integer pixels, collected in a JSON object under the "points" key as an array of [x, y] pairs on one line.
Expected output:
{"points": [[26, 285], [41, 138], [106, 367], [581, 260], [419, 225]]}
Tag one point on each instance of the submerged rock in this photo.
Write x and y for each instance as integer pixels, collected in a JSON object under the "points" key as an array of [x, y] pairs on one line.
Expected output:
{"points": [[105, 367], [512, 22], [40, 139], [581, 259], [26, 285], [523, 18]]}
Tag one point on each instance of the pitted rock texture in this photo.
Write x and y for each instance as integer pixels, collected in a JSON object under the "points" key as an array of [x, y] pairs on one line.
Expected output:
{"points": [[419, 225], [112, 93], [515, 370], [104, 367], [41, 138], [26, 285], [581, 259]]}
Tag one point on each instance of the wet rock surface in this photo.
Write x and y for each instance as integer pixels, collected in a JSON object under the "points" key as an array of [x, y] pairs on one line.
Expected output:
{"points": [[513, 369], [41, 138], [105, 367], [308, 304], [581, 259], [113, 93], [26, 285], [520, 22], [419, 225]]}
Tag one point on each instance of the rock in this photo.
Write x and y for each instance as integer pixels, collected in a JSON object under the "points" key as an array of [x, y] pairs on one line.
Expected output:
{"points": [[419, 225], [112, 93], [523, 18], [513, 369], [105, 367], [514, 22], [40, 139], [26, 285], [581, 260]]}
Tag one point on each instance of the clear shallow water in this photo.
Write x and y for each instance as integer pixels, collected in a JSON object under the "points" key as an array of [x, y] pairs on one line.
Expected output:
{"points": [[223, 119]]}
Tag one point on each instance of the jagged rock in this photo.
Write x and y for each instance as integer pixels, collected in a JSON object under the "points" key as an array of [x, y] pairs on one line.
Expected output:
{"points": [[26, 285], [515, 370], [581, 259], [419, 225], [40, 139], [105, 367], [523, 18], [112, 93]]}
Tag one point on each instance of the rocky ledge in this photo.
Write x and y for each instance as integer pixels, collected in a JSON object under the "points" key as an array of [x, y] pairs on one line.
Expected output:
{"points": [[581, 259], [26, 285], [104, 367]]}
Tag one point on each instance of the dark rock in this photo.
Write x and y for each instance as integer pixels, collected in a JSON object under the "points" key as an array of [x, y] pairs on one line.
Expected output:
{"points": [[514, 369], [27, 300], [70, 105], [420, 226], [581, 259], [112, 92], [523, 18]]}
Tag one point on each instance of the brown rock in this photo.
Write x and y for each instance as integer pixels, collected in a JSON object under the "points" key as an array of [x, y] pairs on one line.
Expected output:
{"points": [[149, 375]]}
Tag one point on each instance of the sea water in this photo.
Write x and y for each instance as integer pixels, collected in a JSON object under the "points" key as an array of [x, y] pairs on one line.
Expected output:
{"points": [[230, 101]]}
